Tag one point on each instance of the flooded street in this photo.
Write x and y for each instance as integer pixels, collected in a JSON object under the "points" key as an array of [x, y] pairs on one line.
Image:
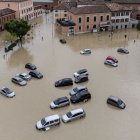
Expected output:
{"points": [[56, 61]]}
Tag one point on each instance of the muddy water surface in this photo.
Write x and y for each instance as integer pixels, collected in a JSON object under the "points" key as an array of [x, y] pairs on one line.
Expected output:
{"points": [[102, 122]]}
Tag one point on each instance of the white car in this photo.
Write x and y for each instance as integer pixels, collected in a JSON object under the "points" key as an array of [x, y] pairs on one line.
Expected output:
{"points": [[110, 63], [47, 122], [85, 51], [59, 102], [74, 114], [77, 89], [24, 76], [81, 72], [7, 92]]}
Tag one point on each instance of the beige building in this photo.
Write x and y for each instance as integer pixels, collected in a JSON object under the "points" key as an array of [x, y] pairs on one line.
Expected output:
{"points": [[24, 8]]}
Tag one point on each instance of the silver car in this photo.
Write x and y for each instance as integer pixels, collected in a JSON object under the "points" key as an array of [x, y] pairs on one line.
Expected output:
{"points": [[77, 89], [24, 76], [7, 92], [60, 102], [81, 72], [19, 81], [74, 114]]}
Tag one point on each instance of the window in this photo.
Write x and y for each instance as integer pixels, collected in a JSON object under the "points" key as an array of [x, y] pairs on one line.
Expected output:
{"points": [[118, 14], [56, 11], [127, 13], [126, 20], [101, 18], [122, 20], [65, 15], [107, 18], [80, 20], [122, 14], [117, 20], [56, 15], [95, 19], [94, 26], [87, 27], [8, 5], [113, 14], [87, 19], [79, 28], [113, 20]]}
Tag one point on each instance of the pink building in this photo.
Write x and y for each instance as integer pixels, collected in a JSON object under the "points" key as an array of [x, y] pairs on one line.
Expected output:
{"points": [[24, 8], [86, 18]]}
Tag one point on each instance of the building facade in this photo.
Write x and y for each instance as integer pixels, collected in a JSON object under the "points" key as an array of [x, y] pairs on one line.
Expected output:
{"points": [[5, 16], [24, 8]]}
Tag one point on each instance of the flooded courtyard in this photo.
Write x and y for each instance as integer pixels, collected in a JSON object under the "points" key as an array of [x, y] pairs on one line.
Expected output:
{"points": [[56, 61]]}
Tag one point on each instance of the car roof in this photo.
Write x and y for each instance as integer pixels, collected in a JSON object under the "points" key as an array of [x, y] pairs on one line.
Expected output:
{"points": [[76, 111], [82, 70], [66, 79], [17, 78], [114, 98], [81, 87], [5, 89], [53, 117], [87, 50], [23, 74], [62, 99]]}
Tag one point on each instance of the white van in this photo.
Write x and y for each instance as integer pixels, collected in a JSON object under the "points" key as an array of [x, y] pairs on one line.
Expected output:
{"points": [[48, 122]]}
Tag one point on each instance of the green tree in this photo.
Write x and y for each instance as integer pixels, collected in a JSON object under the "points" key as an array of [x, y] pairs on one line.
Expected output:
{"points": [[138, 26], [18, 28]]}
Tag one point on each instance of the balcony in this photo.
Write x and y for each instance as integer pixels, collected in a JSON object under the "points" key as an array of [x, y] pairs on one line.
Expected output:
{"points": [[65, 22]]}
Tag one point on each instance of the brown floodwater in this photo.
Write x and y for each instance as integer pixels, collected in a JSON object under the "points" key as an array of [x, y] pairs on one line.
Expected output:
{"points": [[54, 60]]}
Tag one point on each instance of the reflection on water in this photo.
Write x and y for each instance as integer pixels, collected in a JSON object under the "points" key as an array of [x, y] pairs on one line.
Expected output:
{"points": [[21, 56], [57, 61]]}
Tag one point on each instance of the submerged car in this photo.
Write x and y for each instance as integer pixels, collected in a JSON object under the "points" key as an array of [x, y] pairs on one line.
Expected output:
{"points": [[81, 78], [112, 58], [36, 74], [24, 76], [110, 63], [60, 102], [123, 50], [115, 101], [19, 81], [77, 89], [7, 92], [85, 51], [63, 41], [81, 72], [73, 115], [30, 66], [64, 82], [82, 96], [48, 121]]}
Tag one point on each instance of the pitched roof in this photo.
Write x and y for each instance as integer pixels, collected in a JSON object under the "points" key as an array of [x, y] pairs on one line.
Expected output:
{"points": [[6, 11], [90, 9], [43, 1], [126, 1], [117, 7]]}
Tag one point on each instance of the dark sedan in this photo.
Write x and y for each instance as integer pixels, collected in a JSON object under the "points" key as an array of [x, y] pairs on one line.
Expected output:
{"points": [[115, 101], [30, 66], [64, 82], [123, 50], [36, 74], [82, 96]]}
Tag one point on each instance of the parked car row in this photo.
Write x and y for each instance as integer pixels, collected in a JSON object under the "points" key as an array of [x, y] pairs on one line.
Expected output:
{"points": [[22, 78], [77, 94], [54, 120]]}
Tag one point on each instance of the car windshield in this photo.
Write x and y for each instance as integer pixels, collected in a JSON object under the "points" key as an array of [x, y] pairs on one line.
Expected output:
{"points": [[69, 114], [120, 102], [56, 102], [19, 79], [7, 90], [43, 121]]}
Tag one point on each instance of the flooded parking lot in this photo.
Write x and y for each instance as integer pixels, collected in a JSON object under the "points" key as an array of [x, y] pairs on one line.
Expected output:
{"points": [[55, 61]]}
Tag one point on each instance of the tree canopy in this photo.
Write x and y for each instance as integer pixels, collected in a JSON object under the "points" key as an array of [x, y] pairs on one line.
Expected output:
{"points": [[18, 28]]}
